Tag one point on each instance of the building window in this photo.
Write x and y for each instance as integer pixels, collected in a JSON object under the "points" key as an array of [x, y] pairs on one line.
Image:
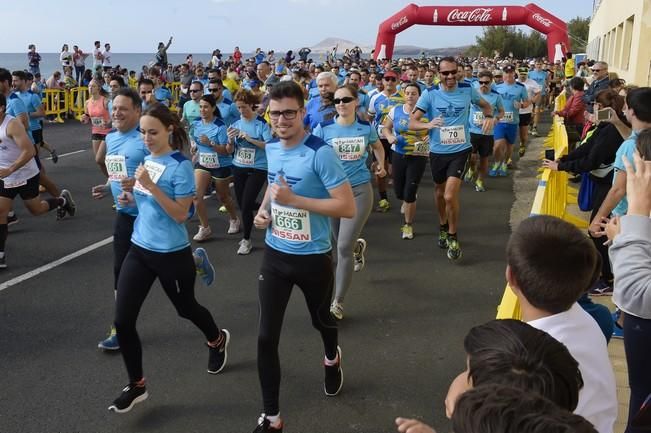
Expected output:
{"points": [[628, 38]]}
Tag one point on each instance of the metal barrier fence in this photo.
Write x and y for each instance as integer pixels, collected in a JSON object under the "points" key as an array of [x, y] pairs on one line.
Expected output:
{"points": [[55, 103], [552, 198]]}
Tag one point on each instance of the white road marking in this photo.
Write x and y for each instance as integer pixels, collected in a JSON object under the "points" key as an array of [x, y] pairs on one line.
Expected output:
{"points": [[54, 264], [67, 154]]}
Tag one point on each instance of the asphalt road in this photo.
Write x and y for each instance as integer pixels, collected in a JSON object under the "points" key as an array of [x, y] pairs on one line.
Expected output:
{"points": [[402, 336]]}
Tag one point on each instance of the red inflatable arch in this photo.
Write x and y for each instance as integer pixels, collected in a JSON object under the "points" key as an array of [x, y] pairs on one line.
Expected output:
{"points": [[531, 15]]}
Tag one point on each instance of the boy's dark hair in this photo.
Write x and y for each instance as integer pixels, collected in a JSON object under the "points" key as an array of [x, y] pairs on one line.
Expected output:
{"points": [[552, 262], [131, 94], [146, 81], [119, 79], [514, 353], [497, 408], [287, 89], [639, 100], [22, 75], [643, 144], [577, 83]]}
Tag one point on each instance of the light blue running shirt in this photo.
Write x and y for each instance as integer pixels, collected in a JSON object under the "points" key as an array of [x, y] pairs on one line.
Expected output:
{"points": [[311, 169], [351, 144], [476, 118], [229, 111], [454, 107], [511, 93], [216, 132], [248, 155], [154, 229], [124, 153]]}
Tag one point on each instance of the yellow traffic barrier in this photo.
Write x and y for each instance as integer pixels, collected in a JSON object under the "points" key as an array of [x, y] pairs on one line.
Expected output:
{"points": [[552, 198], [55, 103], [175, 88], [77, 97]]}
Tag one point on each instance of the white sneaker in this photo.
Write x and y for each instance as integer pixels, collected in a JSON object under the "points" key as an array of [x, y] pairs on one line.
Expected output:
{"points": [[337, 310], [358, 255], [203, 234], [234, 226], [245, 247]]}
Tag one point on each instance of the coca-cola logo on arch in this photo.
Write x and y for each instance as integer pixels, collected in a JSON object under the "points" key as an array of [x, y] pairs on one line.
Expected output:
{"points": [[542, 20], [477, 15], [399, 23]]}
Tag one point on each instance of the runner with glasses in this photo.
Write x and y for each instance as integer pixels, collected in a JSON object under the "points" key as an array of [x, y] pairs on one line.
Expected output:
{"points": [[351, 139], [449, 144]]}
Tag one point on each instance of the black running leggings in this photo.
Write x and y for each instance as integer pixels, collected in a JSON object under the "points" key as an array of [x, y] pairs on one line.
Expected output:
{"points": [[313, 274], [176, 273], [407, 173], [248, 183], [122, 231]]}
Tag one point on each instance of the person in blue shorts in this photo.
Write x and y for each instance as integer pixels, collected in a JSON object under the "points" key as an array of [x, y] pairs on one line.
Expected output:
{"points": [[514, 96], [449, 144], [307, 187], [160, 248]]}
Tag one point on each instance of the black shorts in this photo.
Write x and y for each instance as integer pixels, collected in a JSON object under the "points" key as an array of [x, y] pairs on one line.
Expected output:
{"points": [[216, 173], [525, 119], [27, 192], [98, 137], [387, 150], [482, 144], [445, 165], [38, 136]]}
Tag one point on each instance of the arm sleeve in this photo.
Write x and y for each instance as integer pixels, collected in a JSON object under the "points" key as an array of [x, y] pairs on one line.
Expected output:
{"points": [[474, 96], [266, 131], [423, 102], [221, 137], [183, 180], [318, 131], [329, 168]]}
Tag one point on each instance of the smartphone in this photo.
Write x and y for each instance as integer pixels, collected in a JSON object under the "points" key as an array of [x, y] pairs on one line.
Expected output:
{"points": [[549, 154], [604, 114]]}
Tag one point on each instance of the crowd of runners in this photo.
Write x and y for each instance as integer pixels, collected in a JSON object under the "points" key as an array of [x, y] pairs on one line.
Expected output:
{"points": [[308, 151]]}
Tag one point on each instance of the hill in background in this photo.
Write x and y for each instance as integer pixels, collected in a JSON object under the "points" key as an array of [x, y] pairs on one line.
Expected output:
{"points": [[400, 50]]}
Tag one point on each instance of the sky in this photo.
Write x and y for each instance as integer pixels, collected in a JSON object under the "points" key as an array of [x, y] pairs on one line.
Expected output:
{"points": [[199, 26]]}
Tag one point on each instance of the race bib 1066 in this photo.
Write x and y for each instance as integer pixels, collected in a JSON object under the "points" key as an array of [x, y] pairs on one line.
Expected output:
{"points": [[155, 171], [453, 135], [349, 148], [290, 224], [116, 165]]}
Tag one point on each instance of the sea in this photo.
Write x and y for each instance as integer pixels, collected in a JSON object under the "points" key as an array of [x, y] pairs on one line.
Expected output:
{"points": [[131, 61]]}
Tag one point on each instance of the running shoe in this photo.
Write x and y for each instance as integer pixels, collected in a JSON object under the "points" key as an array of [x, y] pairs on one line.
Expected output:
{"points": [[222, 209], [12, 218], [358, 254], [203, 234], [131, 395], [383, 206], [402, 208], [234, 226], [618, 331], [334, 377], [479, 185], [68, 208], [469, 176], [522, 151], [443, 239], [110, 342], [3, 261], [245, 247], [217, 356], [493, 170], [601, 288], [205, 269], [264, 426], [407, 231], [534, 131], [337, 310], [454, 249], [54, 156], [503, 170]]}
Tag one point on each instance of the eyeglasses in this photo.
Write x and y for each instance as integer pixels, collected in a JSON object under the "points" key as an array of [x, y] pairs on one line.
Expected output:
{"points": [[344, 100], [446, 73], [484, 82], [287, 114], [214, 90], [146, 92], [389, 79], [195, 90]]}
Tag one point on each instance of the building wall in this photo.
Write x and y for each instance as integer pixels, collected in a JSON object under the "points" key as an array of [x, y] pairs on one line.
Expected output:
{"points": [[620, 34]]}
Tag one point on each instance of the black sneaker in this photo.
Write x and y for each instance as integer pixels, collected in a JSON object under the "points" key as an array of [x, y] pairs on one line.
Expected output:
{"points": [[54, 156], [70, 207], [264, 426], [3, 262], [217, 356], [334, 377], [12, 219], [131, 395]]}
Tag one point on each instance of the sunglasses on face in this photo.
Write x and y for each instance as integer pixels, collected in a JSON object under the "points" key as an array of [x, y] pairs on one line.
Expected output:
{"points": [[484, 83], [597, 70], [389, 79], [446, 73], [214, 90], [195, 90], [344, 100]]}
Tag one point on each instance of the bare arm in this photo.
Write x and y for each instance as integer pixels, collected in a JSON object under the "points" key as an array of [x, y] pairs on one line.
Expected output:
{"points": [[615, 194]]}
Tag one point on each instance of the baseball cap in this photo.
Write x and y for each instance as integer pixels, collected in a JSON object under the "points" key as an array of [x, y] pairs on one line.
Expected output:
{"points": [[390, 73], [523, 71], [508, 68]]}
